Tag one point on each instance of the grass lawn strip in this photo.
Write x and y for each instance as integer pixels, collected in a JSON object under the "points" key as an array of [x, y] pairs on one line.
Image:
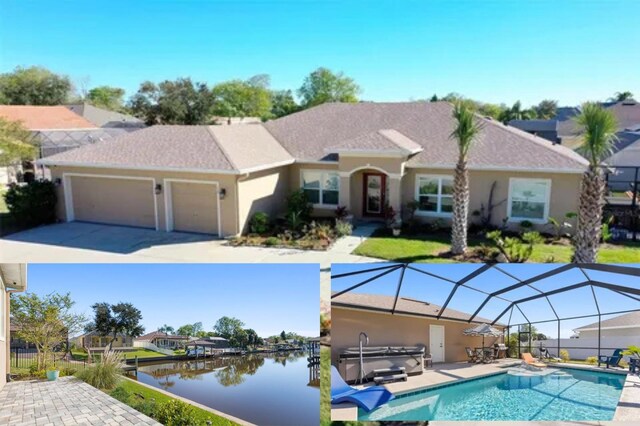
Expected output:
{"points": [[201, 412]]}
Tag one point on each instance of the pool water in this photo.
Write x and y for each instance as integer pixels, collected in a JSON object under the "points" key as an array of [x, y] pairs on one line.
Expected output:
{"points": [[556, 394]]}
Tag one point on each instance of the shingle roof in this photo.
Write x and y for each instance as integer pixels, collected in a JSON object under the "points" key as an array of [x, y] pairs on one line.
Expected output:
{"points": [[627, 320], [626, 150], [385, 140], [161, 335], [377, 302], [192, 148], [105, 118], [308, 134], [535, 125], [627, 113], [45, 117]]}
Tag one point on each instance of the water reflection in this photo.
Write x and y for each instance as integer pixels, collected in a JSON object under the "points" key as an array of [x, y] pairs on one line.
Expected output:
{"points": [[260, 388]]}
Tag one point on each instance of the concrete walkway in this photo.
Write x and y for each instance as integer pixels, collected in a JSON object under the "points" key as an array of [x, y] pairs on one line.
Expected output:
{"points": [[66, 401], [78, 242]]}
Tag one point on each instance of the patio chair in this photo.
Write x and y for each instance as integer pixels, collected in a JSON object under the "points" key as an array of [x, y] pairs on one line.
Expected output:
{"points": [[367, 398], [611, 361], [473, 355], [528, 359], [488, 355]]}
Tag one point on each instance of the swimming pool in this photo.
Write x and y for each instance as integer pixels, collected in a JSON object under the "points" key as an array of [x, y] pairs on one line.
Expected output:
{"points": [[555, 394]]}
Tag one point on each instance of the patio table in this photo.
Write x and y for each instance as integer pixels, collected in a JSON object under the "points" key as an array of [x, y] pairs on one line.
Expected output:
{"points": [[482, 353]]}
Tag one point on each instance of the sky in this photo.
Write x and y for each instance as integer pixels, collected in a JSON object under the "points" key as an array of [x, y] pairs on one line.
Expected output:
{"points": [[573, 303], [493, 51], [267, 298]]}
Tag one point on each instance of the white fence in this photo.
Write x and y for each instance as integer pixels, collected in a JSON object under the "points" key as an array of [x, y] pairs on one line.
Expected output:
{"points": [[152, 347], [583, 348]]}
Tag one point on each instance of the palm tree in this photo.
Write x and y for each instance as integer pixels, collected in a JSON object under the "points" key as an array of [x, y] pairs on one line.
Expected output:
{"points": [[622, 96], [467, 129], [600, 127]]}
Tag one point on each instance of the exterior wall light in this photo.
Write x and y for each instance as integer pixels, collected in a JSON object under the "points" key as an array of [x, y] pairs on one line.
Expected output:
{"points": [[158, 189], [57, 181], [222, 193]]}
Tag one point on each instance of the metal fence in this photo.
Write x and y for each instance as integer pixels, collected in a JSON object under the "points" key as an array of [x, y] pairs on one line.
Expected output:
{"points": [[622, 200], [575, 352], [26, 358]]}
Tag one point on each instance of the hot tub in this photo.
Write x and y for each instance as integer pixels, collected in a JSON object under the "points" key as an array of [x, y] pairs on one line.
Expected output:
{"points": [[380, 357]]}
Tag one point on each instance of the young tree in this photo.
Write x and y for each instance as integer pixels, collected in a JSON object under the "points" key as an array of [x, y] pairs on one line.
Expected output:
{"points": [[466, 131], [323, 85], [599, 133], [34, 86], [173, 102], [546, 109], [16, 143], [45, 321], [120, 318], [107, 97]]}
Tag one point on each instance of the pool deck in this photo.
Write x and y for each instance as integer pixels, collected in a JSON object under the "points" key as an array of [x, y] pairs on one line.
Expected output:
{"points": [[628, 407]]}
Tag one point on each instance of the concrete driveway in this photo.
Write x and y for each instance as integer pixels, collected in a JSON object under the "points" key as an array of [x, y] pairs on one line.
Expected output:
{"points": [[78, 242]]}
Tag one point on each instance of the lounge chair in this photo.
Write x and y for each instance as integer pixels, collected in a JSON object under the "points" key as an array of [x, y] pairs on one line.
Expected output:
{"points": [[473, 355], [611, 361], [367, 398], [528, 359]]}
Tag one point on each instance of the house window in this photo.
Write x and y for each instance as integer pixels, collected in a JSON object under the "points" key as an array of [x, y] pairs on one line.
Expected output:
{"points": [[434, 194], [529, 200], [322, 188]]}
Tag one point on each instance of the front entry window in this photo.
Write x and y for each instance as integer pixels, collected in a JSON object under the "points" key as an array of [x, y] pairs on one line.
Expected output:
{"points": [[434, 194], [374, 194], [322, 188]]}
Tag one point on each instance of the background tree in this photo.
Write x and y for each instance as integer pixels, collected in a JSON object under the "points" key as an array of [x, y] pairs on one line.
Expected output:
{"points": [[322, 85], [283, 103], [621, 96], [44, 321], [107, 97], [599, 133], [434, 98], [111, 320], [546, 109], [466, 131], [173, 102], [239, 339], [16, 143], [167, 329], [237, 98], [34, 86], [516, 112], [227, 326], [283, 335], [491, 110]]}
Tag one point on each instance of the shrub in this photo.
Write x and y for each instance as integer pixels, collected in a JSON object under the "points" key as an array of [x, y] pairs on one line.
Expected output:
{"points": [[593, 360], [271, 241], [67, 371], [33, 204], [121, 394], [318, 231], [343, 228], [526, 224], [515, 250], [175, 413], [341, 213], [105, 374], [389, 215], [298, 203], [259, 223], [564, 355], [633, 351]]}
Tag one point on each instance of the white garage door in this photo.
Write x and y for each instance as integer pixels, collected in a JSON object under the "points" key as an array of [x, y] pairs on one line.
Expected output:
{"points": [[194, 207]]}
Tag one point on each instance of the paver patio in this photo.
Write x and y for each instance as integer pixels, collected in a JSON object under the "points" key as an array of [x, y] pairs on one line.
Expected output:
{"points": [[66, 401], [87, 242]]}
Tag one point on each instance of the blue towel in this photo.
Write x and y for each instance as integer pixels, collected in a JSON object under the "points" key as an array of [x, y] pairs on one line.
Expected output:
{"points": [[368, 398]]}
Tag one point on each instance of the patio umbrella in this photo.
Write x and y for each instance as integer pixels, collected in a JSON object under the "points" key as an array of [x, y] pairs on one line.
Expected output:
{"points": [[482, 330]]}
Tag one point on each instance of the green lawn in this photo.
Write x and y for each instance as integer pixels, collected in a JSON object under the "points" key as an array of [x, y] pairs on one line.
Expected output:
{"points": [[202, 415], [140, 353], [431, 249]]}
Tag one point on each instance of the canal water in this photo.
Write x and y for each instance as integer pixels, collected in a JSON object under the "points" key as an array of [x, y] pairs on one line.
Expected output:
{"points": [[266, 389]]}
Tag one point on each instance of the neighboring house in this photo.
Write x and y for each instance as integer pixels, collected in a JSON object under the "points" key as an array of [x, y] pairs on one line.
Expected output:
{"points": [[618, 332], [212, 179], [164, 340], [105, 118], [13, 278], [415, 323], [547, 129], [15, 342], [93, 340]]}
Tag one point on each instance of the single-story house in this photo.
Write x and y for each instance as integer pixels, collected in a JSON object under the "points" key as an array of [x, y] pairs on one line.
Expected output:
{"points": [[212, 179], [13, 278], [94, 340], [547, 129], [414, 323], [164, 340]]}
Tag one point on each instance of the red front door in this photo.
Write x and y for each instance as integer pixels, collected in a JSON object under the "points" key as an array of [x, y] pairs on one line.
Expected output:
{"points": [[374, 194]]}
